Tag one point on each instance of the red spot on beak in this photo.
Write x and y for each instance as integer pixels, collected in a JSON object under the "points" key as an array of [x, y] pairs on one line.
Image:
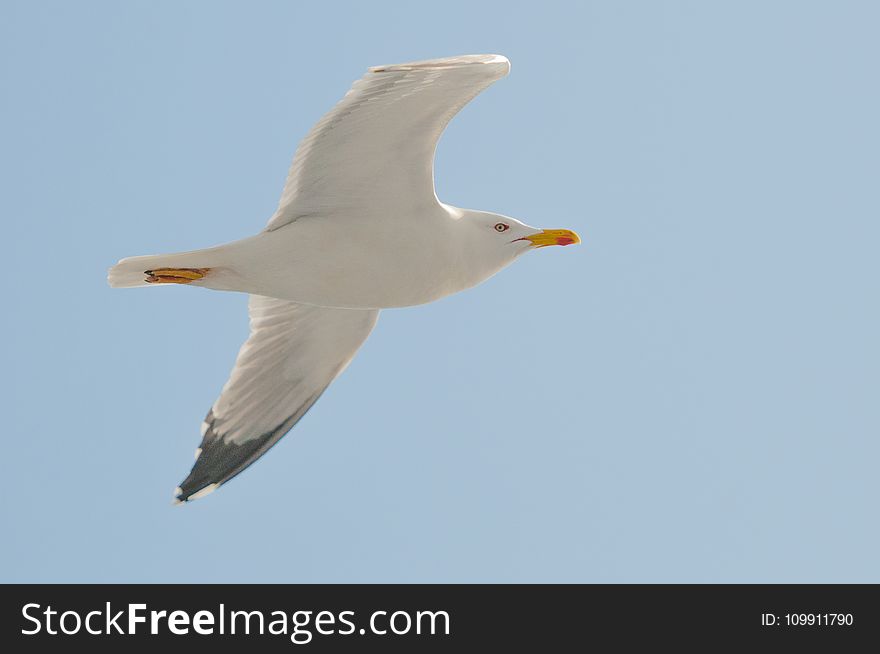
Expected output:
{"points": [[564, 240]]}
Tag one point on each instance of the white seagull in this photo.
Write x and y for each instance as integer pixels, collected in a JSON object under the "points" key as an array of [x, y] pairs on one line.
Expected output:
{"points": [[359, 228]]}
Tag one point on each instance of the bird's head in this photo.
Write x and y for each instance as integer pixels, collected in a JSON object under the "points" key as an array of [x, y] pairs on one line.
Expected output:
{"points": [[500, 239]]}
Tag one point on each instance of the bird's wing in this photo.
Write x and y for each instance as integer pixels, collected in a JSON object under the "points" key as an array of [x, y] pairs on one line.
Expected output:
{"points": [[292, 354], [375, 148]]}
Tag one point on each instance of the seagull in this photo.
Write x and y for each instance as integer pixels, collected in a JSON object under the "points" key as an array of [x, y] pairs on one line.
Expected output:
{"points": [[358, 229]]}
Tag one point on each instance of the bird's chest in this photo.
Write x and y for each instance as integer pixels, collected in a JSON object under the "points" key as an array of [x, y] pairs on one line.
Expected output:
{"points": [[367, 266]]}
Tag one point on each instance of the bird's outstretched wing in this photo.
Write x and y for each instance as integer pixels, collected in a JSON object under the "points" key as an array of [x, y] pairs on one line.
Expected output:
{"points": [[375, 149], [292, 354]]}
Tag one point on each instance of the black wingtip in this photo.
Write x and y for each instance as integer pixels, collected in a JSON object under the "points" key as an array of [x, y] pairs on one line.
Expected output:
{"points": [[218, 461], [180, 497]]}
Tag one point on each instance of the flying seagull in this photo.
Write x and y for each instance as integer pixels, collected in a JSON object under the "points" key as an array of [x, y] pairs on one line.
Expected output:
{"points": [[359, 228]]}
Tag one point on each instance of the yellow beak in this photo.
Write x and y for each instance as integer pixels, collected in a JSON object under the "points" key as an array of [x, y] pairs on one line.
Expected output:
{"points": [[552, 237]]}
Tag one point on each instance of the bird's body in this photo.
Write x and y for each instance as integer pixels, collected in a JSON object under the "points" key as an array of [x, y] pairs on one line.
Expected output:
{"points": [[358, 263], [358, 229]]}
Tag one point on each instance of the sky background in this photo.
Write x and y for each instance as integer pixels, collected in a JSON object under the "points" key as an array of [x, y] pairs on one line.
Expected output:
{"points": [[691, 395]]}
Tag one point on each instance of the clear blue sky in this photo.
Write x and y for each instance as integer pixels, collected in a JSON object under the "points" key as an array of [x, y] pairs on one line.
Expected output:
{"points": [[689, 396]]}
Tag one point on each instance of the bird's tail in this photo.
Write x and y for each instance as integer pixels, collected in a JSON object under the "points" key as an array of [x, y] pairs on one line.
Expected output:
{"points": [[179, 268]]}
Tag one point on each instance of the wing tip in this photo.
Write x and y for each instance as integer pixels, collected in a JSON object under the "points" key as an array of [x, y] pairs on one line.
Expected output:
{"points": [[446, 62], [181, 498]]}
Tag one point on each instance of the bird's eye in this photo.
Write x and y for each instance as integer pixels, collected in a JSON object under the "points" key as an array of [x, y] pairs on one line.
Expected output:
{"points": [[501, 227]]}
